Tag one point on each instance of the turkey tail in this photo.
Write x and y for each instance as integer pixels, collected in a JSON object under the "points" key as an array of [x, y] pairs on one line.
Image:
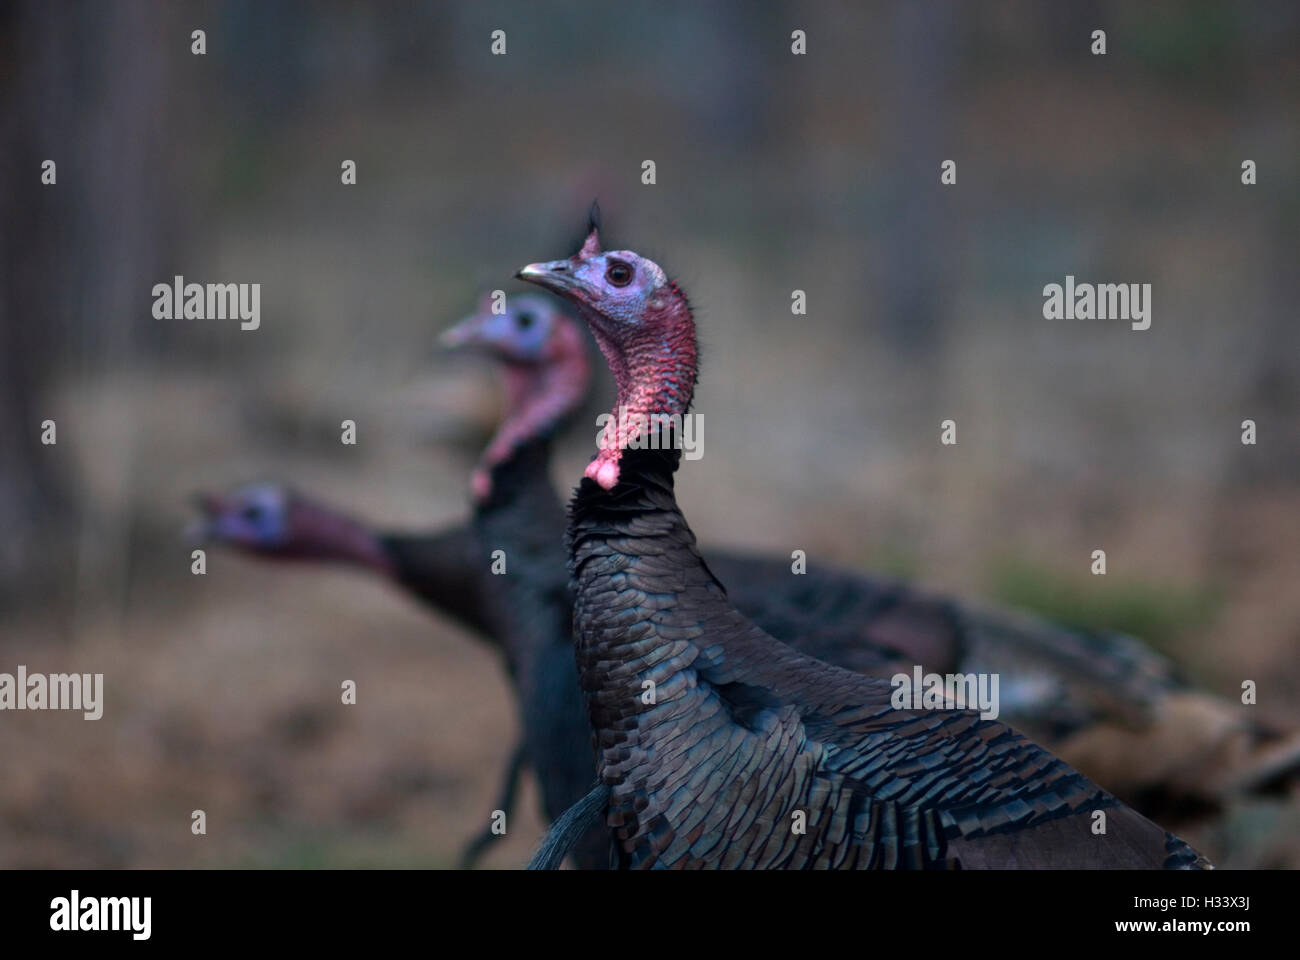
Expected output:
{"points": [[1123, 840], [570, 827]]}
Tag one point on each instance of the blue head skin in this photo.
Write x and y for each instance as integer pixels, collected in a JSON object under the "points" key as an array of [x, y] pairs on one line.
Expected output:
{"points": [[272, 521], [255, 518], [519, 335], [544, 372], [644, 327]]}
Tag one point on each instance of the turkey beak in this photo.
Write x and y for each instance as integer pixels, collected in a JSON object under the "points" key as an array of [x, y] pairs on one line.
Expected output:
{"points": [[554, 275], [459, 335]]}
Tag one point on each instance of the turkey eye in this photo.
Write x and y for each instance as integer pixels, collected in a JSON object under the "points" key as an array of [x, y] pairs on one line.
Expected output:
{"points": [[618, 273], [252, 513], [524, 321]]}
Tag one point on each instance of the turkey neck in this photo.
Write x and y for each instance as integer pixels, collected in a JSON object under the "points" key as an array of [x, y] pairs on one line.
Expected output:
{"points": [[520, 486], [654, 367], [516, 510], [632, 555], [522, 518], [322, 534], [539, 398], [515, 507]]}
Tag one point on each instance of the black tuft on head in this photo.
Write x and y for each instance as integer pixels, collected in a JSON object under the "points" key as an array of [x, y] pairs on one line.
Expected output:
{"points": [[593, 223]]}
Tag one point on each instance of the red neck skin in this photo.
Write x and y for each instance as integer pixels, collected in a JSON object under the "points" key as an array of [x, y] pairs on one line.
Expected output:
{"points": [[318, 533], [654, 365], [538, 397]]}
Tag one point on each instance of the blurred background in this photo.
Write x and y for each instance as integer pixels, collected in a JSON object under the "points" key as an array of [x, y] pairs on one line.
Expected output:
{"points": [[774, 172]]}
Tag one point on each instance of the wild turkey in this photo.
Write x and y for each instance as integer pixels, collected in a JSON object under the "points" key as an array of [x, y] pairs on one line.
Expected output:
{"points": [[719, 745]]}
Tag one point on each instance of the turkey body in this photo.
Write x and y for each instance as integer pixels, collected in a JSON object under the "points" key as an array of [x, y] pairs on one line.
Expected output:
{"points": [[752, 754]]}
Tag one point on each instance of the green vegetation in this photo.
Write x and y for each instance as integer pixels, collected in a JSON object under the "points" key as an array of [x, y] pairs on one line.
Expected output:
{"points": [[1160, 614]]}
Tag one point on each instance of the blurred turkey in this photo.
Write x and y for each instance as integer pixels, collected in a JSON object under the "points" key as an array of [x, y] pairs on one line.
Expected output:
{"points": [[718, 745]]}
